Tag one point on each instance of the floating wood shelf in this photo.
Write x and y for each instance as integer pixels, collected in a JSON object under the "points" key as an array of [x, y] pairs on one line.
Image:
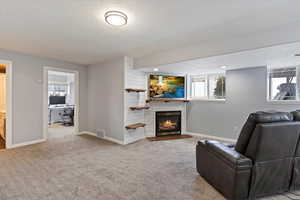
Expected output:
{"points": [[167, 100], [135, 90], [135, 126], [140, 108]]}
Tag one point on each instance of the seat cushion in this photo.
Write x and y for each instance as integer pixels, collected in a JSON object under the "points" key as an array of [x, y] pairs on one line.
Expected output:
{"points": [[256, 118]]}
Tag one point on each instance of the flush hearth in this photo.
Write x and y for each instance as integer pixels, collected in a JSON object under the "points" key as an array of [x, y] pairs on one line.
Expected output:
{"points": [[168, 123]]}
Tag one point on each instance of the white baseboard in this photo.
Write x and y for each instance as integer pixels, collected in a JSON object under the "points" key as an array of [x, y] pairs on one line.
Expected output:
{"points": [[113, 140], [119, 141], [130, 140], [104, 138], [87, 133], [212, 137], [26, 143]]}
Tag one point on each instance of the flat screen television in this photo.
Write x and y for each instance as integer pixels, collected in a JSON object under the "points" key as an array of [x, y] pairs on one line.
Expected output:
{"points": [[166, 86], [55, 100]]}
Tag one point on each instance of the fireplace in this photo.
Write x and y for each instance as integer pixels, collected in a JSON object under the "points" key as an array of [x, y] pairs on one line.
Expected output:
{"points": [[168, 123]]}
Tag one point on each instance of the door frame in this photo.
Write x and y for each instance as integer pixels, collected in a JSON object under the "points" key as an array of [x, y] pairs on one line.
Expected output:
{"points": [[45, 98], [9, 103]]}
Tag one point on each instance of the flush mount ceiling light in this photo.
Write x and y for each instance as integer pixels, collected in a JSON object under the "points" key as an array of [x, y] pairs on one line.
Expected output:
{"points": [[223, 67], [116, 18], [156, 69]]}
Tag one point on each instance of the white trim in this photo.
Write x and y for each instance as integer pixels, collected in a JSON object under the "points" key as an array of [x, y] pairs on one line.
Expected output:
{"points": [[87, 133], [9, 103], [27, 143], [130, 140], [208, 100], [45, 98], [188, 133], [211, 137], [284, 102], [113, 140], [291, 102], [207, 96], [104, 138]]}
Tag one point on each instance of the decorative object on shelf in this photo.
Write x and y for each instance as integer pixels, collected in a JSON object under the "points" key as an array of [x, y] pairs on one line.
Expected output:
{"points": [[140, 108], [167, 100], [135, 90], [135, 126]]}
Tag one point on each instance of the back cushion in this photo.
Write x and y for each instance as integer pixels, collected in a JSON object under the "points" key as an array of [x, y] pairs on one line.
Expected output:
{"points": [[296, 115], [273, 141], [256, 118]]}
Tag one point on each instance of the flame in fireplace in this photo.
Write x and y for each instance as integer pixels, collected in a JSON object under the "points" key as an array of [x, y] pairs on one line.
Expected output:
{"points": [[167, 125]]}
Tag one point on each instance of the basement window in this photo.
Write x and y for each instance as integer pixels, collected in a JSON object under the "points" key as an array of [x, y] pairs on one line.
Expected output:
{"points": [[208, 87], [283, 84], [57, 89]]}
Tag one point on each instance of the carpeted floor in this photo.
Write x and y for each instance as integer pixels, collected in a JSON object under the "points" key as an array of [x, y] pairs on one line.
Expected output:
{"points": [[87, 168], [59, 131]]}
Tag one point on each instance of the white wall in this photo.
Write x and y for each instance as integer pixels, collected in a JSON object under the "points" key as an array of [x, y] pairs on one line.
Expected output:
{"points": [[106, 98], [28, 94], [134, 79], [71, 95], [246, 91]]}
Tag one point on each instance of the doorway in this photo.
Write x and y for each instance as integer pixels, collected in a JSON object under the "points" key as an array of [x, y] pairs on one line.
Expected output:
{"points": [[5, 104], [2, 106], [60, 103]]}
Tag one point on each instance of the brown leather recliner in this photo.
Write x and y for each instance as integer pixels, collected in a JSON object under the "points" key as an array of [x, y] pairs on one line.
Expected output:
{"points": [[261, 162]]}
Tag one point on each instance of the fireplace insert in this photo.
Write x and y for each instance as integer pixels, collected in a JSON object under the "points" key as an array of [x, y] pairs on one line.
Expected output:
{"points": [[168, 123]]}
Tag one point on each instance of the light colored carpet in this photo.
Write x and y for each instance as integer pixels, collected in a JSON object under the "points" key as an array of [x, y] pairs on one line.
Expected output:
{"points": [[59, 131], [87, 168], [56, 125]]}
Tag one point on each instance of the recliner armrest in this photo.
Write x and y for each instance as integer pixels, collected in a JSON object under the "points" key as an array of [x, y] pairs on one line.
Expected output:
{"points": [[227, 154], [224, 168]]}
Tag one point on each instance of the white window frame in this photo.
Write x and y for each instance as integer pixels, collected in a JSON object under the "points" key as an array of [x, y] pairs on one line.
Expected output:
{"points": [[191, 87], [207, 98], [268, 96]]}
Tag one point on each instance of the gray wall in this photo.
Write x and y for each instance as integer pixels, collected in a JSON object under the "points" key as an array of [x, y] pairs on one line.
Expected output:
{"points": [[28, 94], [246, 92], [106, 98]]}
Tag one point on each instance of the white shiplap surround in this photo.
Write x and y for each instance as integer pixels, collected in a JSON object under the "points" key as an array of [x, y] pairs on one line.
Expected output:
{"points": [[161, 106], [138, 79], [134, 79]]}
